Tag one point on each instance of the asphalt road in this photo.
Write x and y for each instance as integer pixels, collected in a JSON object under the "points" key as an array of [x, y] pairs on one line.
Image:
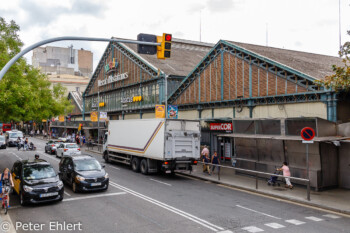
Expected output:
{"points": [[163, 203]]}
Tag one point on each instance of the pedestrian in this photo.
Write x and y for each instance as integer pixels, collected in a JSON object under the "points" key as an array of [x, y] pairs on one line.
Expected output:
{"points": [[36, 158], [18, 143], [26, 144], [215, 161], [286, 173], [203, 153], [84, 140], [22, 142], [206, 163]]}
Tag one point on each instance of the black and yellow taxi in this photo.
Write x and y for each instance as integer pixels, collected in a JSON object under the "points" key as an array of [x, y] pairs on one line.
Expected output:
{"points": [[36, 182]]}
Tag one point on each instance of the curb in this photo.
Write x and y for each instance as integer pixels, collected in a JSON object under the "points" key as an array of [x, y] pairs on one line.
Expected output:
{"points": [[271, 195]]}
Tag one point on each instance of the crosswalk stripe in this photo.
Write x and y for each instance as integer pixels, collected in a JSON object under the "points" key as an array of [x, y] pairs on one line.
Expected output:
{"points": [[314, 219], [331, 216], [252, 229], [295, 222], [274, 225]]}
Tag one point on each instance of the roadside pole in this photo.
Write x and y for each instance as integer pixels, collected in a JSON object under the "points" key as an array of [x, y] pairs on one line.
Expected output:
{"points": [[307, 135], [98, 117]]}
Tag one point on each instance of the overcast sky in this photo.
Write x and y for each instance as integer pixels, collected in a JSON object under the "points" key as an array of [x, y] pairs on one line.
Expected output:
{"points": [[304, 25]]}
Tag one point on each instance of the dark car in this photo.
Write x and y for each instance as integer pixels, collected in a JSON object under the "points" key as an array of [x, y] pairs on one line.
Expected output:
{"points": [[2, 142], [83, 173], [36, 182]]}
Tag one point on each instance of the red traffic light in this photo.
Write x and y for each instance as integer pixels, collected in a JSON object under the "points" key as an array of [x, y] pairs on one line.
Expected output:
{"points": [[167, 37]]}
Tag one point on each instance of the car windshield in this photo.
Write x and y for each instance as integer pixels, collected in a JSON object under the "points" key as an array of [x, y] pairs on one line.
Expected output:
{"points": [[72, 146], [2, 138], [16, 135], [87, 165], [37, 172]]}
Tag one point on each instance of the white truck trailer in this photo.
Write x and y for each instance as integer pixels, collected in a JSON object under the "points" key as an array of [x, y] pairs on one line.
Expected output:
{"points": [[152, 145]]}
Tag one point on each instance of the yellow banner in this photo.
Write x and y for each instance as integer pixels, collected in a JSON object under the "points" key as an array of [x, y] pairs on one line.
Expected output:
{"points": [[43, 120], [94, 116], [160, 111], [61, 118]]}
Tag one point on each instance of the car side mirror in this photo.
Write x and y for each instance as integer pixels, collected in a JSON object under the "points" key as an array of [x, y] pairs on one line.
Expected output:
{"points": [[103, 166], [16, 177]]}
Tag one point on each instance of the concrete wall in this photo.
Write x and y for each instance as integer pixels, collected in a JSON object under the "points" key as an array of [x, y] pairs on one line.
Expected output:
{"points": [[243, 114], [148, 115], [291, 110], [206, 114], [223, 112], [189, 115], [131, 116]]}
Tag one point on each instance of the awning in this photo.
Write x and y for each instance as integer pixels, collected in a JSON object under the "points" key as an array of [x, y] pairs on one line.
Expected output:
{"points": [[280, 137]]}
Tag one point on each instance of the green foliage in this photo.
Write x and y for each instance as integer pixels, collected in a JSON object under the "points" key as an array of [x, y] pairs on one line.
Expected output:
{"points": [[25, 93], [340, 80]]}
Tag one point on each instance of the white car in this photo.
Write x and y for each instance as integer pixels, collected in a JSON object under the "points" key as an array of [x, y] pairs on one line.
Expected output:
{"points": [[65, 149]]}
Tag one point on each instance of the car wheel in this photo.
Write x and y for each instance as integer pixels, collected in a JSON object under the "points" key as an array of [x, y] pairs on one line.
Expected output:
{"points": [[74, 187], [135, 164], [144, 167], [21, 199]]}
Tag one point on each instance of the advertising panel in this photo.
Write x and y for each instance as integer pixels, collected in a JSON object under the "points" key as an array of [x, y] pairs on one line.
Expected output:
{"points": [[160, 111], [227, 127], [172, 111], [94, 116]]}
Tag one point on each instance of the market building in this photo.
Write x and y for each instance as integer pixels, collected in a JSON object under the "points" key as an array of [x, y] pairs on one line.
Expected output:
{"points": [[254, 100], [128, 85]]}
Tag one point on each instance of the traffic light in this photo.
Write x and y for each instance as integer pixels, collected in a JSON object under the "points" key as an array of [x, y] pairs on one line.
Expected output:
{"points": [[164, 50], [147, 49]]}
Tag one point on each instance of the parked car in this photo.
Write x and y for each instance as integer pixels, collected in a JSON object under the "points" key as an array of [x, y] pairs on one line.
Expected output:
{"points": [[83, 173], [36, 182], [11, 137], [65, 149], [51, 146], [2, 142]]}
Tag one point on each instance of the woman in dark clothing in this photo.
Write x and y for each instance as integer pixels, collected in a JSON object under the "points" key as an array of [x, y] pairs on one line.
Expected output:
{"points": [[215, 160]]}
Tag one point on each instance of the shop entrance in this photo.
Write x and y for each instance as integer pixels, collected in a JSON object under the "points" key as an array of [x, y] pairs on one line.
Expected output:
{"points": [[225, 149]]}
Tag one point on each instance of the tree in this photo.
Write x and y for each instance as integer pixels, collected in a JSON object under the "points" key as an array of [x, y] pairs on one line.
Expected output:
{"points": [[340, 80], [25, 92]]}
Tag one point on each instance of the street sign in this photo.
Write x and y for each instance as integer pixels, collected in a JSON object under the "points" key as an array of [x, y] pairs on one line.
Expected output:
{"points": [[307, 133]]}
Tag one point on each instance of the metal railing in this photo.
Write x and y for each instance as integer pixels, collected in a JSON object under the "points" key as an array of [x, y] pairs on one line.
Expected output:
{"points": [[256, 173]]}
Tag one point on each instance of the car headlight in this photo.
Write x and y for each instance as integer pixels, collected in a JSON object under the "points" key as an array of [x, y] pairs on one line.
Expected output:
{"points": [[27, 188], [79, 178], [106, 176], [60, 184]]}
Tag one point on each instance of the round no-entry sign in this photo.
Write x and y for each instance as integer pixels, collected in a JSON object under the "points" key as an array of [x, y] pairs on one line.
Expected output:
{"points": [[307, 133]]}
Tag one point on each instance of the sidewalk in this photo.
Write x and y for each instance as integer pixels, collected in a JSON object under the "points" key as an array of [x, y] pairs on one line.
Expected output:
{"points": [[337, 200]]}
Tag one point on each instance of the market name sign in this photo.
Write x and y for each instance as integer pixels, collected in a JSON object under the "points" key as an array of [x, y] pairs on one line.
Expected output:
{"points": [[131, 99], [112, 79]]}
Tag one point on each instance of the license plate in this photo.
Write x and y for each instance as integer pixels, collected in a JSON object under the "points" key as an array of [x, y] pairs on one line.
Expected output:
{"points": [[49, 194], [95, 184]]}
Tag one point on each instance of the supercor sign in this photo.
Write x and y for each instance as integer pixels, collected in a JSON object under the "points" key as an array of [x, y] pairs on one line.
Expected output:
{"points": [[221, 126]]}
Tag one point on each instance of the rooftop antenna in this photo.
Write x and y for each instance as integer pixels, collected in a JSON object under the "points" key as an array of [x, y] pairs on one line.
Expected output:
{"points": [[200, 25]]}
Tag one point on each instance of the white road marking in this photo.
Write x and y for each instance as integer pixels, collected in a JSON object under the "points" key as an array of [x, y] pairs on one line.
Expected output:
{"points": [[67, 193], [161, 182], [314, 219], [274, 225], [252, 229], [227, 231], [170, 208], [51, 157], [332, 216], [295, 222], [257, 212], [16, 156], [94, 196], [113, 167]]}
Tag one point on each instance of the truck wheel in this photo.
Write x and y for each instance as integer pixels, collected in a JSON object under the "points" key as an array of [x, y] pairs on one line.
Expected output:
{"points": [[135, 164], [144, 167], [106, 158]]}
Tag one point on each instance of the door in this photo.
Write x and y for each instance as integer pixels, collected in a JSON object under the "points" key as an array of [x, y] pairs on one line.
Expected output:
{"points": [[60, 149], [70, 170], [16, 171]]}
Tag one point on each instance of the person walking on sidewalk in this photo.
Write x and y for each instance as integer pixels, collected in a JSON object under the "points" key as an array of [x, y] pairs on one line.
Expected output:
{"points": [[203, 154], [286, 172], [215, 161], [206, 163]]}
